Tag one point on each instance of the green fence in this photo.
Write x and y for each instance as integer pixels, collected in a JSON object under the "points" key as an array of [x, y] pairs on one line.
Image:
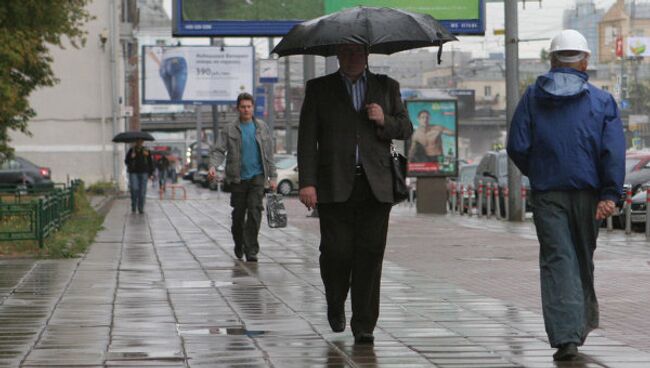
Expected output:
{"points": [[33, 214]]}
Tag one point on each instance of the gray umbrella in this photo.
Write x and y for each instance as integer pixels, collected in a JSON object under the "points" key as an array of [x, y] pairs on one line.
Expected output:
{"points": [[382, 30]]}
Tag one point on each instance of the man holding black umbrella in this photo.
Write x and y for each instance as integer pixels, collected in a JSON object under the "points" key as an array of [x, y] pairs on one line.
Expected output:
{"points": [[347, 123]]}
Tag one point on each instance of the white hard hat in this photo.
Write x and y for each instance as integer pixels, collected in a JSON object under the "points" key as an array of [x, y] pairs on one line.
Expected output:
{"points": [[570, 40]]}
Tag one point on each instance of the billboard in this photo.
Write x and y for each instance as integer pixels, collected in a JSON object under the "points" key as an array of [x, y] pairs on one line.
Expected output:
{"points": [[638, 46], [219, 18], [433, 148], [196, 74]]}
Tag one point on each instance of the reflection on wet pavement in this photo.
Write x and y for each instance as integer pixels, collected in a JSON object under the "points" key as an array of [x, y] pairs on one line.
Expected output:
{"points": [[165, 290]]}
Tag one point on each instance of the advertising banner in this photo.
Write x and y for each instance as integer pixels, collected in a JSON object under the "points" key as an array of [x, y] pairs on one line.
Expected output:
{"points": [[433, 148], [196, 74], [207, 18], [638, 46]]}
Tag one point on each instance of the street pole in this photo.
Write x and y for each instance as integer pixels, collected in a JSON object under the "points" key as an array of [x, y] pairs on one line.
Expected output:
{"points": [[287, 106], [270, 98], [309, 67], [512, 97], [115, 103], [215, 108], [199, 128]]}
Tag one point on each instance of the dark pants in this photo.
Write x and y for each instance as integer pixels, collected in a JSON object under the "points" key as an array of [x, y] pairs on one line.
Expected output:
{"points": [[353, 239], [246, 202], [138, 187], [567, 230]]}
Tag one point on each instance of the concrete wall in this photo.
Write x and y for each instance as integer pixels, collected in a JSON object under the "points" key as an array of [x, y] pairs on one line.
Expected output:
{"points": [[73, 128]]}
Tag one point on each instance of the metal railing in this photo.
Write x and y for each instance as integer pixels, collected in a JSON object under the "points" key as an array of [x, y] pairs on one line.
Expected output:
{"points": [[34, 214]]}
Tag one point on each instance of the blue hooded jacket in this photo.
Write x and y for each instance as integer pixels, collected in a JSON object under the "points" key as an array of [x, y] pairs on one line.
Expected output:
{"points": [[567, 134]]}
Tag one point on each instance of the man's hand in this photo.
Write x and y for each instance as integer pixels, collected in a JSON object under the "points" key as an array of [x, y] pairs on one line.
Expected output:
{"points": [[212, 173], [308, 197], [273, 185], [605, 209], [376, 113]]}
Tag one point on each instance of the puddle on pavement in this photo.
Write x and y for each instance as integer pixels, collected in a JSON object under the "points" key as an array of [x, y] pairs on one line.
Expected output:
{"points": [[484, 258], [195, 284], [221, 331], [141, 355]]}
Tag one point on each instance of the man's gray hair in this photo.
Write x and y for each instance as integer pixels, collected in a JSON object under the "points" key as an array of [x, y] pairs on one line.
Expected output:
{"points": [[567, 58]]}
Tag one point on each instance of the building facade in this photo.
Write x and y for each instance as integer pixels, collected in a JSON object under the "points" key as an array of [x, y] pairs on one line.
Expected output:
{"points": [[75, 122]]}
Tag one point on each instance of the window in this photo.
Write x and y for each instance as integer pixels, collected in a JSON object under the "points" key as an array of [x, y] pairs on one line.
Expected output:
{"points": [[10, 165], [487, 91]]}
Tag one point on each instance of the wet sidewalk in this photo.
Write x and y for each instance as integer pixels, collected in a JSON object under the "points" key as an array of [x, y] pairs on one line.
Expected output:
{"points": [[165, 290]]}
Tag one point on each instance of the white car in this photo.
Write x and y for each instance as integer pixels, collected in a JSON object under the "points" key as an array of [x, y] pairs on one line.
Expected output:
{"points": [[287, 170]]}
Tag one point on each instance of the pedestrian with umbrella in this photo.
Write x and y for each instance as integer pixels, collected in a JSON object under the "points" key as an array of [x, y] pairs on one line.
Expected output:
{"points": [[347, 123], [139, 165]]}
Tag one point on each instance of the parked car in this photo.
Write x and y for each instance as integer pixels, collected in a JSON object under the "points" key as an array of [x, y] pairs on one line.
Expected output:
{"points": [[20, 171], [189, 174], [287, 170], [638, 210], [636, 178], [493, 169], [636, 162]]}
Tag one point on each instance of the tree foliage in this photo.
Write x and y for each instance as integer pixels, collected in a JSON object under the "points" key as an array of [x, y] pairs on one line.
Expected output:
{"points": [[27, 29]]}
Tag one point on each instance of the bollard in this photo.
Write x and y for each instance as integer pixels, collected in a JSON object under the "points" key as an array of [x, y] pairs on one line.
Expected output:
{"points": [[647, 213], [488, 199], [461, 207], [523, 204], [453, 197], [470, 200], [628, 210], [497, 202], [506, 206], [479, 201], [610, 224]]}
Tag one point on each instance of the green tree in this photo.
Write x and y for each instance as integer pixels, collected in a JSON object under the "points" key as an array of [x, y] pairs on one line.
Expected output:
{"points": [[27, 29]]}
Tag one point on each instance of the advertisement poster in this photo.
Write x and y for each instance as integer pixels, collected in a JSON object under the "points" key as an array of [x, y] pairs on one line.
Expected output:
{"points": [[196, 74], [276, 17], [433, 148], [638, 46]]}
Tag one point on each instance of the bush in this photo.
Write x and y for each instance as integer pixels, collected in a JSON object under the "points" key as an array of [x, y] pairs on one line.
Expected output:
{"points": [[102, 188], [72, 240]]}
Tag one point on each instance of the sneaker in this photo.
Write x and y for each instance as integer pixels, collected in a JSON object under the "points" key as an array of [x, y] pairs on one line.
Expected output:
{"points": [[568, 351]]}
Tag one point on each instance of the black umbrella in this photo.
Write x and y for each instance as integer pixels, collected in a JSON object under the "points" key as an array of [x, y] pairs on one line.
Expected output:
{"points": [[382, 30], [129, 137]]}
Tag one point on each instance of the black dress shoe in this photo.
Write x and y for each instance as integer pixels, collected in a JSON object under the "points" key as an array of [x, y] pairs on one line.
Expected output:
{"points": [[251, 258], [239, 252], [566, 352], [364, 338], [337, 321]]}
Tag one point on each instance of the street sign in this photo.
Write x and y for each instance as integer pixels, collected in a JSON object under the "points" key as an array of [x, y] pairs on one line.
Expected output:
{"points": [[268, 71]]}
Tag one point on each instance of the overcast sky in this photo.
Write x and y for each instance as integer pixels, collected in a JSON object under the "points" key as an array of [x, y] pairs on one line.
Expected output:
{"points": [[537, 20]]}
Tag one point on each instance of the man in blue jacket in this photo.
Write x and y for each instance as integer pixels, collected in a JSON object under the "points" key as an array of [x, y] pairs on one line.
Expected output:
{"points": [[567, 137]]}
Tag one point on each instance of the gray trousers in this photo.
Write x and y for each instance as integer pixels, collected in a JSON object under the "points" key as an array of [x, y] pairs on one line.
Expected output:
{"points": [[567, 231]]}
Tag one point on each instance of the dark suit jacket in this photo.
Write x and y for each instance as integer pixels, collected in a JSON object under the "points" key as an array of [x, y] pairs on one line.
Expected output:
{"points": [[330, 129]]}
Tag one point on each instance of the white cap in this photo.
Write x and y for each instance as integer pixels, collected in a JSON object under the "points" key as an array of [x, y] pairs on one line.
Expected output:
{"points": [[570, 40]]}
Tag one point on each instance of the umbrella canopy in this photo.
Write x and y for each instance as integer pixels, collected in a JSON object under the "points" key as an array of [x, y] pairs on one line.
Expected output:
{"points": [[129, 137], [381, 30]]}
